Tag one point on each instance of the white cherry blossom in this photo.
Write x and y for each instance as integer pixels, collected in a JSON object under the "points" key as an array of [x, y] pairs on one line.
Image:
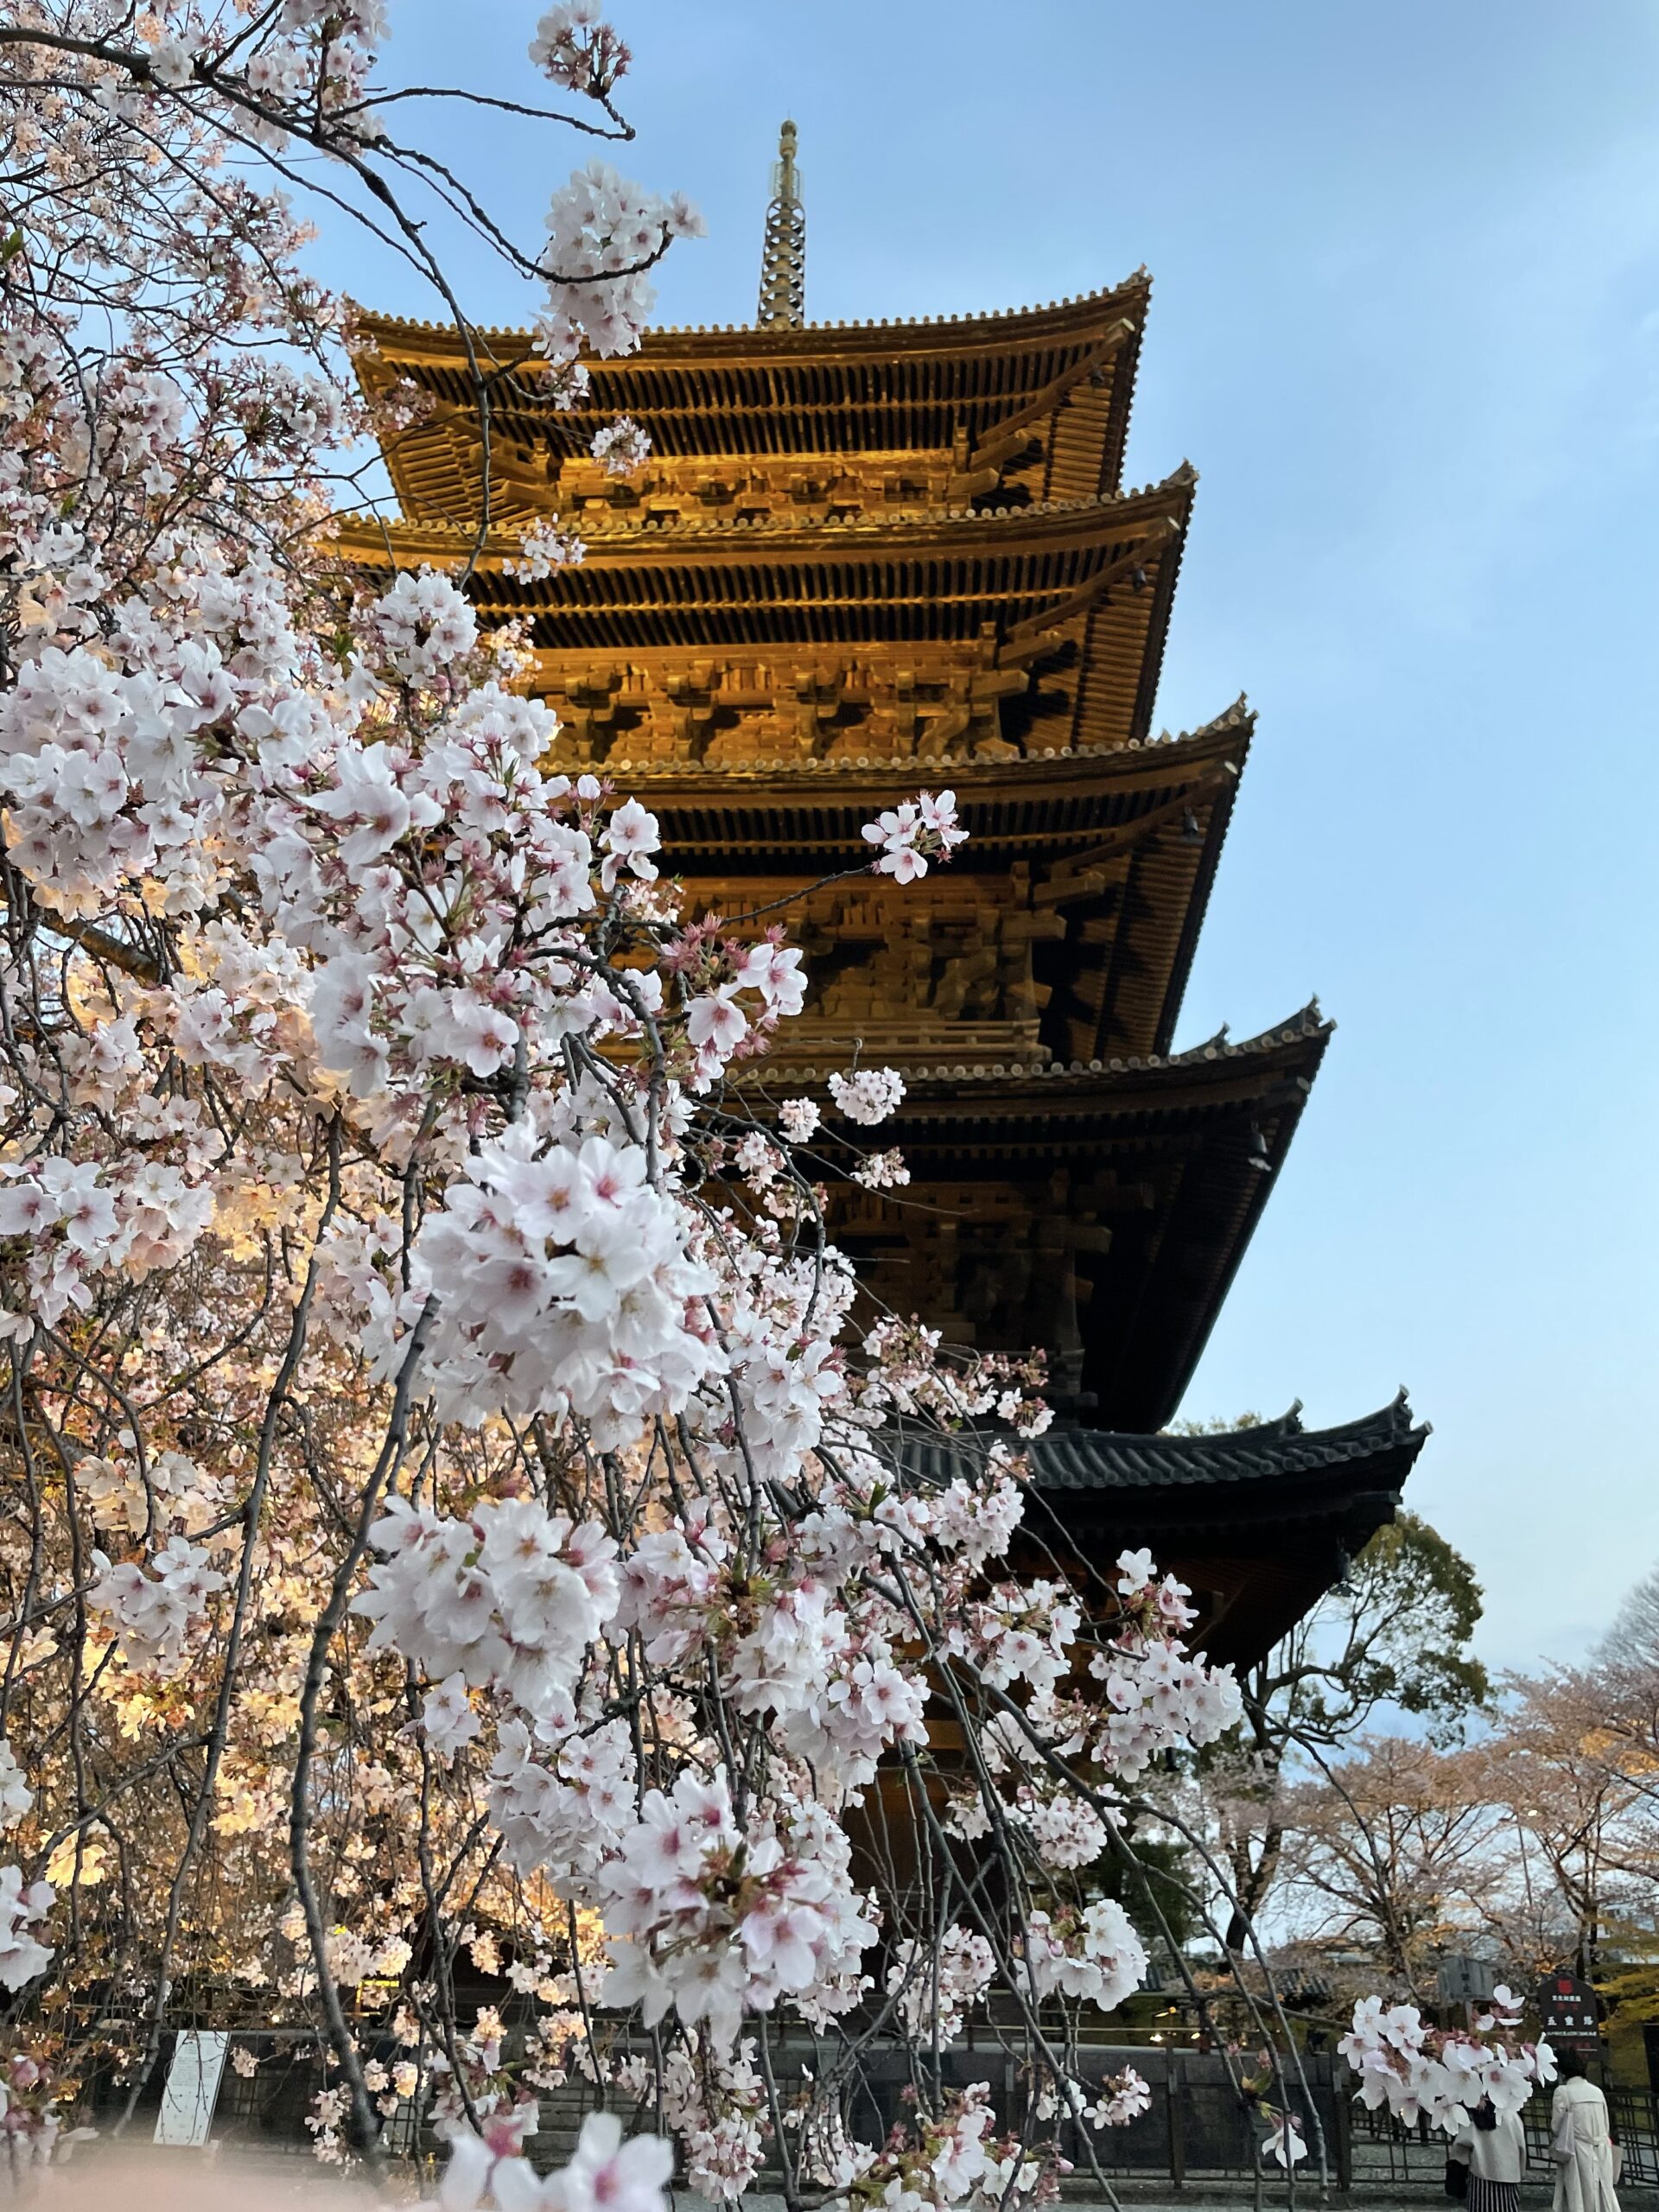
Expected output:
{"points": [[23, 1908]]}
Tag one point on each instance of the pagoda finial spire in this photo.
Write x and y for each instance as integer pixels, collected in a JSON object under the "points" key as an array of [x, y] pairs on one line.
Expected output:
{"points": [[783, 258]]}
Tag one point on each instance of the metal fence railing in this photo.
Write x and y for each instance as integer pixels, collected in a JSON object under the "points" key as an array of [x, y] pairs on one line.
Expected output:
{"points": [[1196, 2130], [1634, 2117], [1385, 2150]]}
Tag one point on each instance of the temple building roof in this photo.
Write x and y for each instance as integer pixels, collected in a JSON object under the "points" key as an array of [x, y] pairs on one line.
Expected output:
{"points": [[1258, 1521], [982, 391], [812, 805], [1041, 626], [1277, 1469], [1100, 1211], [1101, 863]]}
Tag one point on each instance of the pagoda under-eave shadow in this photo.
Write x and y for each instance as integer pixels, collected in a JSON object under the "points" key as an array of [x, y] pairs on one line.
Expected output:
{"points": [[866, 557]]}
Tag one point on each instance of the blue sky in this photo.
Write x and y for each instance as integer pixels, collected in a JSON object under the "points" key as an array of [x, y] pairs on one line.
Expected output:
{"points": [[1405, 324]]}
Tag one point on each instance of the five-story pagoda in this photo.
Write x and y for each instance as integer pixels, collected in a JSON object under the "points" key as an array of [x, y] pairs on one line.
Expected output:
{"points": [[861, 558]]}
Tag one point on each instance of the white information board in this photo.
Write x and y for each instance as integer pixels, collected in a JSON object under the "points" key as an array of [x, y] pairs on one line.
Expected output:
{"points": [[192, 2089]]}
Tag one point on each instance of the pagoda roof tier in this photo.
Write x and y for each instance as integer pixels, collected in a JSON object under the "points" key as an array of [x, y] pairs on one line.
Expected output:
{"points": [[1058, 612], [1099, 1209], [978, 392], [1049, 1087], [771, 814], [1100, 864], [1278, 1471], [1258, 1521]]}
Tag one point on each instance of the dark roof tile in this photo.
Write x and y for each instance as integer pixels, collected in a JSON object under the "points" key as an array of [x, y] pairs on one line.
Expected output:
{"points": [[1107, 1459]]}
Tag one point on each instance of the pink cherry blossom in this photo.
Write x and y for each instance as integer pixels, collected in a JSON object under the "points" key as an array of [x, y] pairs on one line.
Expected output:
{"points": [[868, 1095]]}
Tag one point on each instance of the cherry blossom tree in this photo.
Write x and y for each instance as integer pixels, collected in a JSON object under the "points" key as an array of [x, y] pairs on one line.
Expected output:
{"points": [[1386, 1849], [451, 1518], [1570, 1769], [1394, 1634]]}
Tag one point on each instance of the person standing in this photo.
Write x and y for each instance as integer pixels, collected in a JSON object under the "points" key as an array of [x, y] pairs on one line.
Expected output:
{"points": [[1581, 2142], [1493, 2145]]}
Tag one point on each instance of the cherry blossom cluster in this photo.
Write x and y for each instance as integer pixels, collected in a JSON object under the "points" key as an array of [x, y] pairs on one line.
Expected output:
{"points": [[1119, 2099], [603, 234], [23, 1908], [949, 2160], [1285, 2143], [912, 1372], [621, 447], [1067, 1832], [1020, 1638], [1019, 1632], [910, 835], [716, 1920], [735, 993], [868, 1095], [1155, 1692], [1442, 2074], [420, 626], [825, 1674], [1092, 1954], [714, 2102], [108, 755], [565, 1284], [306, 71], [31, 2115], [604, 2173], [153, 1615], [310, 53], [77, 1219], [799, 1119], [562, 1798], [462, 970], [578, 49], [882, 1171], [543, 550], [171, 1489], [511, 1597], [936, 1986], [16, 1795]]}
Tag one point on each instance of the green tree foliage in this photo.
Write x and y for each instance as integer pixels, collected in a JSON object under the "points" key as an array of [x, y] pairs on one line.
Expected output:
{"points": [[1395, 1631]]}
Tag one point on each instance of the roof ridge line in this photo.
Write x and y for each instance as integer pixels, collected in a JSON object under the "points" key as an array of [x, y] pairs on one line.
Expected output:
{"points": [[1138, 280], [1288, 1033], [1294, 1451]]}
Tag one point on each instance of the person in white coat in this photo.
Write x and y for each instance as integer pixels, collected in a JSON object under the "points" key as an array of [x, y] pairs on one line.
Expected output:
{"points": [[1493, 2145], [1581, 2142]]}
